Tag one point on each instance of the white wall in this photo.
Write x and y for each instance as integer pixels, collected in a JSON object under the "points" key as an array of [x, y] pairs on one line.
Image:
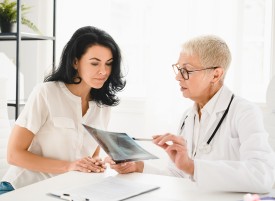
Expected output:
{"points": [[150, 33]]}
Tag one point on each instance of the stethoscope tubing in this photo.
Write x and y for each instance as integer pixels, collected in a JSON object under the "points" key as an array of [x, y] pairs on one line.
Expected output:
{"points": [[219, 124]]}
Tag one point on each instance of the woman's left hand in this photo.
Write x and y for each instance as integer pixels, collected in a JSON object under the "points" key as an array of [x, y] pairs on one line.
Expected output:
{"points": [[176, 148], [88, 164]]}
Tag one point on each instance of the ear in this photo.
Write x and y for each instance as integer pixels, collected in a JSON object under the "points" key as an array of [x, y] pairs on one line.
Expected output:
{"points": [[75, 63], [217, 74]]}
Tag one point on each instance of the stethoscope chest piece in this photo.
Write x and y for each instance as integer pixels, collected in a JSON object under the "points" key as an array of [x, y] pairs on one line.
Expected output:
{"points": [[205, 148]]}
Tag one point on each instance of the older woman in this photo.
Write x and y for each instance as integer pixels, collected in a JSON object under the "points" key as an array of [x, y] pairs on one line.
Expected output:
{"points": [[221, 142]]}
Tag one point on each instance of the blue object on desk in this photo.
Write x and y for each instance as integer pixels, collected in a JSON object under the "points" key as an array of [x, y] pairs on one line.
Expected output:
{"points": [[267, 198]]}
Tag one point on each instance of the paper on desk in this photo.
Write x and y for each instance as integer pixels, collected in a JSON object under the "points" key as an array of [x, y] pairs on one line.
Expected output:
{"points": [[109, 189]]}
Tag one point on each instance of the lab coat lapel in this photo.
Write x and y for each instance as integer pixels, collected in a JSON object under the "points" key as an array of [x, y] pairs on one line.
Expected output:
{"points": [[221, 105], [188, 132]]}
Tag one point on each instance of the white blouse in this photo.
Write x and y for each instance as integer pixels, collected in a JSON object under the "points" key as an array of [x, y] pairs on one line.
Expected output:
{"points": [[54, 115]]}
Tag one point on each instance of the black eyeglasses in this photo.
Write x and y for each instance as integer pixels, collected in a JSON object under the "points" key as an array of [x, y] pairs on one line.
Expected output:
{"points": [[185, 73]]}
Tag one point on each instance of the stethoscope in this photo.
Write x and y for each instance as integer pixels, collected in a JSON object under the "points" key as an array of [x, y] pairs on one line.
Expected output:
{"points": [[205, 147]]}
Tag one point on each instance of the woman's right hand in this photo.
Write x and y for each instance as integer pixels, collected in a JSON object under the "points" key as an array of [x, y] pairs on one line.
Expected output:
{"points": [[126, 167], [88, 164]]}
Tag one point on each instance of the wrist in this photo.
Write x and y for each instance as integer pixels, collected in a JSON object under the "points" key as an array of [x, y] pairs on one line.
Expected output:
{"points": [[139, 166], [190, 169], [69, 166]]}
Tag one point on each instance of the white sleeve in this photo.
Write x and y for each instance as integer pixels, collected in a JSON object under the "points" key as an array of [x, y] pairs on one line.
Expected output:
{"points": [[35, 112]]}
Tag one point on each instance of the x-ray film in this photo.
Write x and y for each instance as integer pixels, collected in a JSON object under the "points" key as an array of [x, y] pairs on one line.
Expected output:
{"points": [[120, 146]]}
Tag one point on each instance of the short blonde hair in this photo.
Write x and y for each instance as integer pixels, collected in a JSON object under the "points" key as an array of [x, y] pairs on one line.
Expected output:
{"points": [[211, 51]]}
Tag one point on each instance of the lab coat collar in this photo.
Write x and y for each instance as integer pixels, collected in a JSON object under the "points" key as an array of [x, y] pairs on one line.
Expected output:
{"points": [[219, 103], [216, 105]]}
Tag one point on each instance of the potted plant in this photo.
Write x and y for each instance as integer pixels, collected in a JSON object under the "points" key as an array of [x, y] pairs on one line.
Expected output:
{"points": [[8, 16]]}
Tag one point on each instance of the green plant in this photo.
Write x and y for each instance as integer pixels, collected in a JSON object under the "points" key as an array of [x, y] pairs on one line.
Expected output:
{"points": [[8, 14]]}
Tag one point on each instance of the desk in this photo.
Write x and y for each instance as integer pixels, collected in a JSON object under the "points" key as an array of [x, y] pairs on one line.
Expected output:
{"points": [[171, 188]]}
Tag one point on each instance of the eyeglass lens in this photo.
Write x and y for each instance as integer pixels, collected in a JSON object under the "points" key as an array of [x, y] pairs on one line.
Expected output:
{"points": [[182, 71]]}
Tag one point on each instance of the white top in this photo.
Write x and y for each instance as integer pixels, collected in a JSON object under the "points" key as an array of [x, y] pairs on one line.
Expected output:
{"points": [[239, 158], [54, 115]]}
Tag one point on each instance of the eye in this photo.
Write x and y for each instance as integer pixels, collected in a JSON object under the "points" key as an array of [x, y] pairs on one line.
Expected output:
{"points": [[109, 64], [94, 63]]}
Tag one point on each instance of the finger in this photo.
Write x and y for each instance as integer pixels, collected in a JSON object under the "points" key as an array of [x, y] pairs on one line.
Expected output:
{"points": [[99, 161], [109, 160], [124, 167], [155, 136], [176, 147], [91, 159], [171, 139], [101, 164], [84, 163], [118, 166], [82, 167]]}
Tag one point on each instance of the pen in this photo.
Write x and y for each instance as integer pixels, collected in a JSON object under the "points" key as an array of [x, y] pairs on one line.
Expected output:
{"points": [[142, 139], [67, 196]]}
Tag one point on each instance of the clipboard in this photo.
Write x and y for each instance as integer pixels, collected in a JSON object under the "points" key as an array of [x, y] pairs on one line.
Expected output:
{"points": [[108, 189], [119, 146]]}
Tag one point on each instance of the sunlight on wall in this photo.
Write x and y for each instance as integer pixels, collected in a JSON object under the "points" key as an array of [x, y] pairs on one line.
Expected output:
{"points": [[150, 33]]}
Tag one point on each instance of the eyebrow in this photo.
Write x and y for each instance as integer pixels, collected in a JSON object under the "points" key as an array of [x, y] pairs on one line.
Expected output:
{"points": [[184, 64], [99, 59]]}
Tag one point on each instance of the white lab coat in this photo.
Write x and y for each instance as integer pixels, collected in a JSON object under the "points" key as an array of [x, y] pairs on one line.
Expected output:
{"points": [[241, 159]]}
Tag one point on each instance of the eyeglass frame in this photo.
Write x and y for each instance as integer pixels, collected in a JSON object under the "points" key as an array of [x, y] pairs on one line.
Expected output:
{"points": [[189, 71]]}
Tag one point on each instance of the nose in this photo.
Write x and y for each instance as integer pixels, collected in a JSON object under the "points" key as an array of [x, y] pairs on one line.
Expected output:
{"points": [[178, 76], [102, 70]]}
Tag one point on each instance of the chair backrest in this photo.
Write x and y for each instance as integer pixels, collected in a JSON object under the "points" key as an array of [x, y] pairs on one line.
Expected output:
{"points": [[269, 114], [5, 128]]}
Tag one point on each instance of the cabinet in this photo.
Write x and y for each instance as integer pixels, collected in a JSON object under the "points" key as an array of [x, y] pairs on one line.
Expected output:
{"points": [[19, 37]]}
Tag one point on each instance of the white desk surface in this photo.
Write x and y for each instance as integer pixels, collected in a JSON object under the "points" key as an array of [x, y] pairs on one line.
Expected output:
{"points": [[171, 188]]}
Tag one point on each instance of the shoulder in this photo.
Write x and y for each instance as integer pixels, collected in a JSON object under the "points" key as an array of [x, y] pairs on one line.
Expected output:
{"points": [[242, 104], [239, 104], [246, 113], [47, 86], [45, 89]]}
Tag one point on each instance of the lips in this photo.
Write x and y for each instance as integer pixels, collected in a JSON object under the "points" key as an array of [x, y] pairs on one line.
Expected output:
{"points": [[182, 87], [100, 79]]}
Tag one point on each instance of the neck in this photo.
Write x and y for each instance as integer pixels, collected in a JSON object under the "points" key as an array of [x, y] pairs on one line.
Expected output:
{"points": [[79, 90], [213, 90]]}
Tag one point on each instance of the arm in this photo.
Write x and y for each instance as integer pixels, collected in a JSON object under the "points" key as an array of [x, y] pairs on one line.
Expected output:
{"points": [[18, 154]]}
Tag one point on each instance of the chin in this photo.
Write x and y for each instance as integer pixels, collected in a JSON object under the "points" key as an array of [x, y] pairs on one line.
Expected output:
{"points": [[97, 87], [185, 95]]}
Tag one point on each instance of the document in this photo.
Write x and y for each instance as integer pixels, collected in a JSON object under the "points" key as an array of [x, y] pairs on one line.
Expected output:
{"points": [[109, 189], [120, 146]]}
